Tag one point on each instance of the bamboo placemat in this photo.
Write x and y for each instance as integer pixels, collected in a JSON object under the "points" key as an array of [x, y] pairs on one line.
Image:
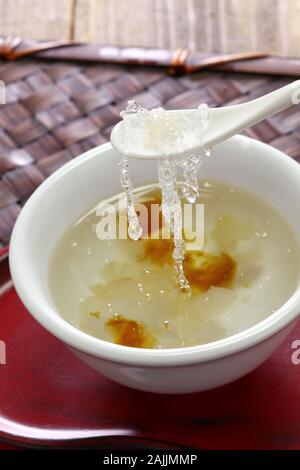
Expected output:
{"points": [[57, 110]]}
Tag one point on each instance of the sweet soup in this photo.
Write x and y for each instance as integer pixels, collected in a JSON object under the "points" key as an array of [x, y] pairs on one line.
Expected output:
{"points": [[125, 291]]}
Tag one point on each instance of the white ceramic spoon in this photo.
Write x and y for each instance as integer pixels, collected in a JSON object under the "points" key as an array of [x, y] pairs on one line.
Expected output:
{"points": [[225, 122]]}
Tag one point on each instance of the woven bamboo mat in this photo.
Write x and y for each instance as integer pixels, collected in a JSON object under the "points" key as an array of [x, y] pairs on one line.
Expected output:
{"points": [[55, 111]]}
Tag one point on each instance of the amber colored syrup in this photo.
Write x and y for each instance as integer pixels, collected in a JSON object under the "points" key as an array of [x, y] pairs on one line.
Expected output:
{"points": [[129, 332], [202, 269]]}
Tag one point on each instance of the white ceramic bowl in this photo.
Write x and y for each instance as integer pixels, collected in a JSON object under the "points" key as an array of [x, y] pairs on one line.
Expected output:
{"points": [[95, 175]]}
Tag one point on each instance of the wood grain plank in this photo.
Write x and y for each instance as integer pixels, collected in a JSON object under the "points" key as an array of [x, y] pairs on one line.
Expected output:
{"points": [[200, 26], [267, 25], [293, 30], [239, 26], [219, 26], [116, 22], [34, 18], [212, 13], [161, 25], [91, 21]]}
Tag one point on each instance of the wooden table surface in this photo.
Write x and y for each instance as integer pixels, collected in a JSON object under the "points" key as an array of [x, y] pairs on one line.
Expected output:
{"points": [[50, 398], [4, 446], [205, 25]]}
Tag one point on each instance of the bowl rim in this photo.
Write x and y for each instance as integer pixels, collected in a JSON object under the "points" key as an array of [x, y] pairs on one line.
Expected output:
{"points": [[77, 339]]}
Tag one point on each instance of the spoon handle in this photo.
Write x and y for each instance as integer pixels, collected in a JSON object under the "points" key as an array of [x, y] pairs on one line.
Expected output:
{"points": [[230, 120]]}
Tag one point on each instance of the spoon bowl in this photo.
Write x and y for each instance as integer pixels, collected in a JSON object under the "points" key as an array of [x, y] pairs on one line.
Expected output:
{"points": [[223, 123]]}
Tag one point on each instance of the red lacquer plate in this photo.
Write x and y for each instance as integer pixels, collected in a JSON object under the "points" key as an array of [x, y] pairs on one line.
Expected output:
{"points": [[48, 398]]}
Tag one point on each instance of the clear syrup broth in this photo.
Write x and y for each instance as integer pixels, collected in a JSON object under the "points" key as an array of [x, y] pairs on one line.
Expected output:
{"points": [[125, 291]]}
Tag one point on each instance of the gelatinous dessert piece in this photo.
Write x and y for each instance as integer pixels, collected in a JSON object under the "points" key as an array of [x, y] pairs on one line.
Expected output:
{"points": [[205, 270], [129, 332]]}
